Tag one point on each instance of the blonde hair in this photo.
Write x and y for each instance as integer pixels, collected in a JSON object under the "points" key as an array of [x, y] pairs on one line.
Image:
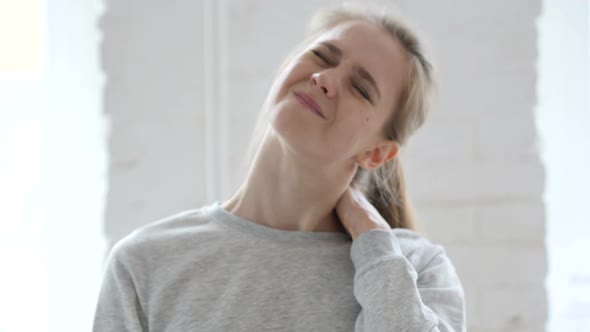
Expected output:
{"points": [[384, 187]]}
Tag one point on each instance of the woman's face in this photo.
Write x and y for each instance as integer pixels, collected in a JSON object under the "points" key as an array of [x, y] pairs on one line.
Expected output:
{"points": [[332, 100]]}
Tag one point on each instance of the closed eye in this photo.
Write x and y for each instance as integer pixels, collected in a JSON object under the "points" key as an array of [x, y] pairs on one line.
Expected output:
{"points": [[362, 91], [320, 55]]}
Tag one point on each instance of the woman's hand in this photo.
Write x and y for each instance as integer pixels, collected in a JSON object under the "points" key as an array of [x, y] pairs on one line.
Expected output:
{"points": [[357, 215]]}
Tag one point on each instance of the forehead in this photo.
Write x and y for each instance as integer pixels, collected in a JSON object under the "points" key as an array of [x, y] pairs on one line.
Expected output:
{"points": [[372, 47]]}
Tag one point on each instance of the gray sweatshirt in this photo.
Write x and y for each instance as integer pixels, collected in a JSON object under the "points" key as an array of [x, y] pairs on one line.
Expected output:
{"points": [[209, 270]]}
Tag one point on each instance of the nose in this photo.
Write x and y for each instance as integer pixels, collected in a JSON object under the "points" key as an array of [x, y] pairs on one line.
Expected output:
{"points": [[321, 81]]}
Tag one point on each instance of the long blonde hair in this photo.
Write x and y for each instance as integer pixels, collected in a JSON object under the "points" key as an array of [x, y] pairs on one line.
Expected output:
{"points": [[384, 187]]}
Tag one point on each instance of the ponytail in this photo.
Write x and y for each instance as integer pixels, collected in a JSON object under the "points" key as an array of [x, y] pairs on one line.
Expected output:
{"points": [[385, 188]]}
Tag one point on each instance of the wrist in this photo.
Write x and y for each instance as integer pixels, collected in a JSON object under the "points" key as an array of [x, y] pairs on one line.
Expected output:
{"points": [[363, 227]]}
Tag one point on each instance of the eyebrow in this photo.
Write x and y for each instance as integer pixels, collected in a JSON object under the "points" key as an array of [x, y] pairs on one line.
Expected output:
{"points": [[362, 71]]}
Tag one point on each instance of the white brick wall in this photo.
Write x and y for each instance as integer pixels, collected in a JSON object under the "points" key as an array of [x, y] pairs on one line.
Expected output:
{"points": [[473, 170], [152, 57]]}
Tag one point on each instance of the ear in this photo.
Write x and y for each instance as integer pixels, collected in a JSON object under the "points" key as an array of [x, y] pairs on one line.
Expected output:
{"points": [[378, 155]]}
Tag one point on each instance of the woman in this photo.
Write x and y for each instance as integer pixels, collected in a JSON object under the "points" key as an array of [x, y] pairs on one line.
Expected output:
{"points": [[320, 236]]}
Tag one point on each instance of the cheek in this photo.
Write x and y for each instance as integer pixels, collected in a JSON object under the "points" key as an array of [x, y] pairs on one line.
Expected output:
{"points": [[365, 120], [365, 129], [356, 131], [294, 72]]}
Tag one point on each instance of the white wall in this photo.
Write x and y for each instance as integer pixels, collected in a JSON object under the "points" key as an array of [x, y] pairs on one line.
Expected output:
{"points": [[474, 171], [153, 58], [563, 118]]}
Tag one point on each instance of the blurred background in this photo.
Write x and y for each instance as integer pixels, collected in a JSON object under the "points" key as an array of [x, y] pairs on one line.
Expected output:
{"points": [[116, 113]]}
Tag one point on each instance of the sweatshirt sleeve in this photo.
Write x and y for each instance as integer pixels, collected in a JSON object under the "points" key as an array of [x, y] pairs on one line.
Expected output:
{"points": [[119, 307], [395, 297]]}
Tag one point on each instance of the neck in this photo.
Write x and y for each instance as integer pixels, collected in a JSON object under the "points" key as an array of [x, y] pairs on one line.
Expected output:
{"points": [[288, 193]]}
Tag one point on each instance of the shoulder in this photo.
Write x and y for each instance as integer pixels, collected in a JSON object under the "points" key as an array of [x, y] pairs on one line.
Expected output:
{"points": [[162, 235]]}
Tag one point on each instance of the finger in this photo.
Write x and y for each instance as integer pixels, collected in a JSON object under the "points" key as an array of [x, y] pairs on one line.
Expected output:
{"points": [[344, 201]]}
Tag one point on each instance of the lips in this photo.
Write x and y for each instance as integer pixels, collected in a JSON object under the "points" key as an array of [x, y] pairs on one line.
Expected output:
{"points": [[309, 103]]}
